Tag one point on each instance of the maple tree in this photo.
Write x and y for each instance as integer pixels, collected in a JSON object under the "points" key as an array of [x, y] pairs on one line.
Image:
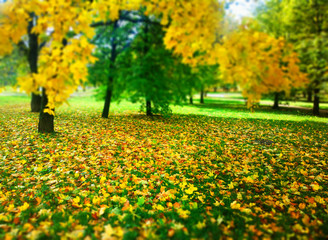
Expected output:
{"points": [[259, 63], [62, 62]]}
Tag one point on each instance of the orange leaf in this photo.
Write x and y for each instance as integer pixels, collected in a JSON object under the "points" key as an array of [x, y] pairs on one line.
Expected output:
{"points": [[16, 220], [95, 216], [302, 206], [126, 206], [306, 220], [311, 200], [171, 233], [176, 205], [38, 200]]}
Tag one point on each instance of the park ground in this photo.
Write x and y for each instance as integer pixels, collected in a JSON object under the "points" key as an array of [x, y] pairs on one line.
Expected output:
{"points": [[213, 170]]}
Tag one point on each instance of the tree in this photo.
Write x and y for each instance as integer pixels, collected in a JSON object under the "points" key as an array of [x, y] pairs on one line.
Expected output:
{"points": [[259, 63], [111, 40], [148, 71], [190, 40], [62, 62], [268, 16], [307, 22], [207, 76], [111, 70]]}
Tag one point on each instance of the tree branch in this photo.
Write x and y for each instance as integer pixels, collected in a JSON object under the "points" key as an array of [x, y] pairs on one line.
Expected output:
{"points": [[125, 18]]}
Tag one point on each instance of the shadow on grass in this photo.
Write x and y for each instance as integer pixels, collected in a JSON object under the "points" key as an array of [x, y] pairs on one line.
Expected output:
{"points": [[240, 106]]}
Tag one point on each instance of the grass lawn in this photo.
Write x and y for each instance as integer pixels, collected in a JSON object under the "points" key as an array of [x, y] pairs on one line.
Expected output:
{"points": [[208, 172]]}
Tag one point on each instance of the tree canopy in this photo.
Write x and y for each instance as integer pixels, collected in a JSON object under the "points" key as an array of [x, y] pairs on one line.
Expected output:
{"points": [[259, 63]]}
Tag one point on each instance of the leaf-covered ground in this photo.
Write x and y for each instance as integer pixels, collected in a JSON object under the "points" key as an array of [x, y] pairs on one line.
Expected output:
{"points": [[185, 177]]}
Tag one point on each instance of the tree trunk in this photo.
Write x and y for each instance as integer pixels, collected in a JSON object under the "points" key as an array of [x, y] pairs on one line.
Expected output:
{"points": [[46, 121], [191, 101], [108, 98], [148, 108], [111, 67], [316, 109], [145, 51], [309, 95], [276, 101], [202, 96], [32, 58], [36, 103]]}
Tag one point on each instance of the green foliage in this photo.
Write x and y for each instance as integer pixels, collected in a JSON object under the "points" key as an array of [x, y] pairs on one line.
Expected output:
{"points": [[206, 76], [269, 15], [149, 72], [104, 68], [307, 23], [12, 66]]}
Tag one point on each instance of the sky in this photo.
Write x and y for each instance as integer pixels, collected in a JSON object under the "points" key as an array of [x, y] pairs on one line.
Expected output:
{"points": [[243, 8]]}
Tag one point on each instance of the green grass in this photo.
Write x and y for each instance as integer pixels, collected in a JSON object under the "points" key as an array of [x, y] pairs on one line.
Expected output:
{"points": [[209, 171], [228, 106], [9, 100]]}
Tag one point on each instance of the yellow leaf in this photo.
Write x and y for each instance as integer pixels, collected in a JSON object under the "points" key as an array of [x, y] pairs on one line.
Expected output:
{"points": [[11, 207], [191, 189], [102, 179], [123, 200], [28, 227], [201, 225], [5, 218], [112, 233], [96, 200], [315, 186], [159, 207], [239, 196], [24, 206], [183, 184], [235, 205], [183, 213], [76, 234], [76, 199], [200, 198], [109, 232]]}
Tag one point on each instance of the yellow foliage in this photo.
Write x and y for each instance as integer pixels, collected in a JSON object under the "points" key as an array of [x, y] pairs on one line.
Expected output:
{"points": [[62, 67], [259, 63], [193, 26]]}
